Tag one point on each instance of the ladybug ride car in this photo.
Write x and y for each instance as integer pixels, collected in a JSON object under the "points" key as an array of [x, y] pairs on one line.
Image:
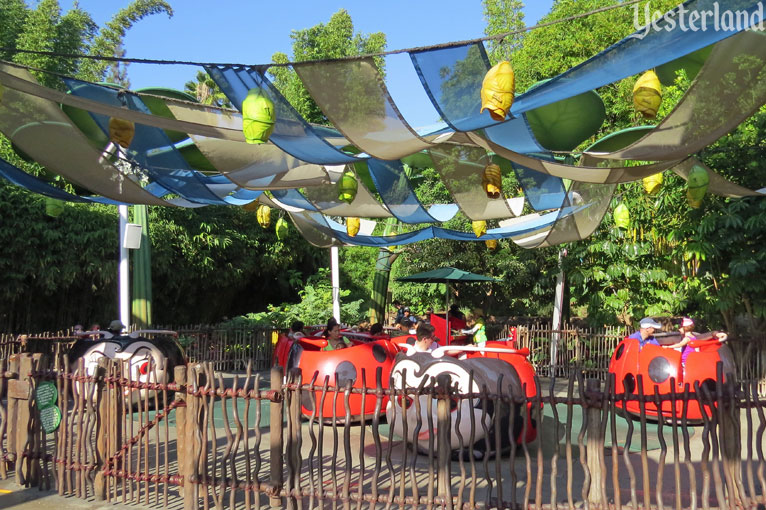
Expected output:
{"points": [[658, 368]]}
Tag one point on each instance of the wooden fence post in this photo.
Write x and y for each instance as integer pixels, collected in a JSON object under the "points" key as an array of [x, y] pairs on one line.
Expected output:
{"points": [[189, 433], [20, 392], [102, 431], [595, 444], [3, 390], [275, 438], [12, 422], [444, 426], [179, 378]]}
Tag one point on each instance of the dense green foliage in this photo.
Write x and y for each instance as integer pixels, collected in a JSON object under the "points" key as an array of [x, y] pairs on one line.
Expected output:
{"points": [[207, 263], [674, 260], [313, 308]]}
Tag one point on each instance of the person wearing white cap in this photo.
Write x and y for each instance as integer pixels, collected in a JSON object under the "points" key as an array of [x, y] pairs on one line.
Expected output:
{"points": [[645, 333]]}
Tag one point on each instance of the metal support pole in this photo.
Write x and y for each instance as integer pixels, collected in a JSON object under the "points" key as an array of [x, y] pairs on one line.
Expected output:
{"points": [[335, 283], [123, 271], [558, 308]]}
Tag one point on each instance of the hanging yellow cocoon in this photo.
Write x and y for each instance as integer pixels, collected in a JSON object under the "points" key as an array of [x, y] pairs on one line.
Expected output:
{"points": [[281, 228], [263, 213], [696, 185], [258, 117], [492, 180], [491, 244], [621, 216], [647, 94], [479, 227], [121, 131], [347, 187], [497, 90], [653, 183], [352, 226]]}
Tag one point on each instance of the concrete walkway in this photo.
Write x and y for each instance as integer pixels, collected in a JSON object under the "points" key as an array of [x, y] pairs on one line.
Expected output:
{"points": [[19, 498]]}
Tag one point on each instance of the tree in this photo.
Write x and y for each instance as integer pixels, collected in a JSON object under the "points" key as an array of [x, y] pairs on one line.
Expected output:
{"points": [[334, 40], [45, 29], [503, 16], [207, 91]]}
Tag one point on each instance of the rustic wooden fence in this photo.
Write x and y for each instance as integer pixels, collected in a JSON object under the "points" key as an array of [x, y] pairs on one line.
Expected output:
{"points": [[204, 441]]}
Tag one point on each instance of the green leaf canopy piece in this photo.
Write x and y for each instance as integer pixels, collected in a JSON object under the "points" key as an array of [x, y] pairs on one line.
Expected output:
{"points": [[563, 125]]}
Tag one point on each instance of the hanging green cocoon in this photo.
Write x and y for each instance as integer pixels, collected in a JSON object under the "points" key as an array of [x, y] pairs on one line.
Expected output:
{"points": [[696, 185], [653, 183], [281, 228], [53, 207], [347, 186], [621, 216], [258, 117]]}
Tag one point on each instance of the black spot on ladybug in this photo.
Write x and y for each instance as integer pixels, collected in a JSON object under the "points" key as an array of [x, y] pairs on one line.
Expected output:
{"points": [[345, 371], [660, 369], [379, 353], [307, 400], [620, 351], [629, 383]]}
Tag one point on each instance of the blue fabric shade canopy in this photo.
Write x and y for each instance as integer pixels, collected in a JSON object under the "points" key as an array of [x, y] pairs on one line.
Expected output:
{"points": [[190, 155]]}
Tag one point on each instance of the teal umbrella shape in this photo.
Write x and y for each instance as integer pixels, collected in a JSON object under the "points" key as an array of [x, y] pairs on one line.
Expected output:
{"points": [[447, 275]]}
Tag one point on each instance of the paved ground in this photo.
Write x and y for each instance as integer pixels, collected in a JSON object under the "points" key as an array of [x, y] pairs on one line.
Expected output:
{"points": [[18, 498]]}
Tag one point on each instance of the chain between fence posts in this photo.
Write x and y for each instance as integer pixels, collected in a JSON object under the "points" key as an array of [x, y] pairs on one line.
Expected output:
{"points": [[595, 444], [276, 458]]}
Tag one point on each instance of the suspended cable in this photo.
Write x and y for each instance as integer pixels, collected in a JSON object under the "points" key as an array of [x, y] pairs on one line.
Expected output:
{"points": [[499, 37]]}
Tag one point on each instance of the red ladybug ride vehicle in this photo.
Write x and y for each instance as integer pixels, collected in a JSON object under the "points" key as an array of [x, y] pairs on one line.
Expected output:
{"points": [[659, 366], [357, 363]]}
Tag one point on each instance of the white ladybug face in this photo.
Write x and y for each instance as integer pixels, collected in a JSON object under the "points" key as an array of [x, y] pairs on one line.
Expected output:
{"points": [[422, 369], [144, 363]]}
